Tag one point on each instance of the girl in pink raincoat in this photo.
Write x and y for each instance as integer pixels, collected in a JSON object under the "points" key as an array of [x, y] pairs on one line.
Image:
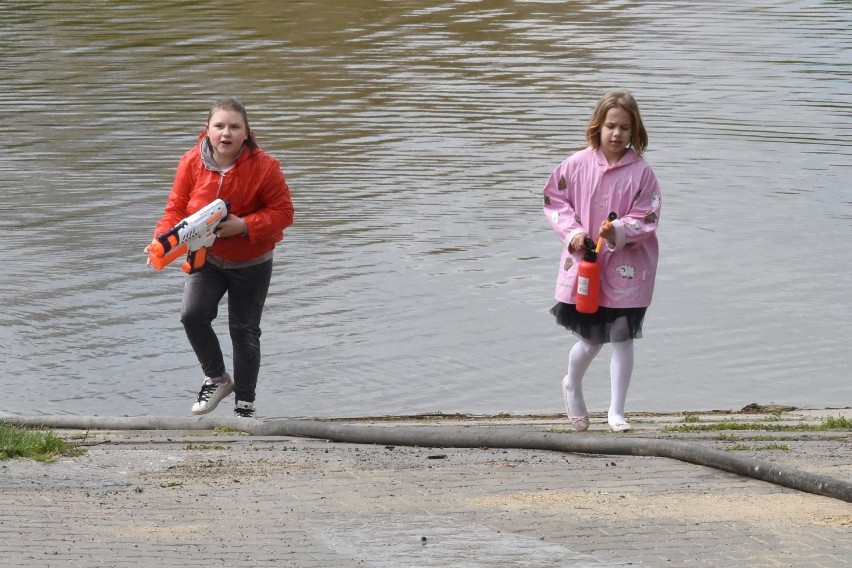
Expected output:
{"points": [[608, 176]]}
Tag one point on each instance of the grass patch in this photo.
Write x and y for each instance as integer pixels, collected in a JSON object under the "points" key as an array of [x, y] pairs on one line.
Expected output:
{"points": [[830, 423], [838, 423], [214, 446], [724, 437], [228, 430], [782, 447], [767, 447], [762, 438], [39, 445]]}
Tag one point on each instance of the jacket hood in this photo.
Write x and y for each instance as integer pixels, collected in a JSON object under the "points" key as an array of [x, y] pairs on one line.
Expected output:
{"points": [[206, 152], [629, 157]]}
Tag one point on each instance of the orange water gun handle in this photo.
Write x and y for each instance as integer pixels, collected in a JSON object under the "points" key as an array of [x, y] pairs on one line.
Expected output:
{"points": [[195, 260], [610, 218]]}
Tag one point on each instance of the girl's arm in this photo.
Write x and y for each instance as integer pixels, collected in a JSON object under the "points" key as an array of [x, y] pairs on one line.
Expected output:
{"points": [[276, 214], [559, 210], [641, 220]]}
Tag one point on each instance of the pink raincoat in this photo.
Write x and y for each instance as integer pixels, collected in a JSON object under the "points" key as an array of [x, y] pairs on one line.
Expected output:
{"points": [[579, 195]]}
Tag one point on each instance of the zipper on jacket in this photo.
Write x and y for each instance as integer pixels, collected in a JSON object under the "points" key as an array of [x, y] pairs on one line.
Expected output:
{"points": [[221, 183]]}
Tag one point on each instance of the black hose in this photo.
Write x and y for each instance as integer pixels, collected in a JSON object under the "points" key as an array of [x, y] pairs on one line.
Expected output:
{"points": [[471, 437]]}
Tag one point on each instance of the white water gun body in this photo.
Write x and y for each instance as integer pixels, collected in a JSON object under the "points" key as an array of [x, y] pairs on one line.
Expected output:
{"points": [[192, 236]]}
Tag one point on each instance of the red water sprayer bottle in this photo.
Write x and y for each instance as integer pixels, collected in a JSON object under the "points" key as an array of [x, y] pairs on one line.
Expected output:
{"points": [[589, 276], [589, 280]]}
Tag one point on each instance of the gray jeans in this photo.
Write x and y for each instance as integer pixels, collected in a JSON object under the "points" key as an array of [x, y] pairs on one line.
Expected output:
{"points": [[247, 289]]}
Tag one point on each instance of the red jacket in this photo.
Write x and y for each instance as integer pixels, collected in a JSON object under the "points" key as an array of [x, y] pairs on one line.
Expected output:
{"points": [[255, 187]]}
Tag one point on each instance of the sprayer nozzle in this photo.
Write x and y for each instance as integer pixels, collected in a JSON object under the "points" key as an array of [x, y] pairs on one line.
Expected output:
{"points": [[591, 253]]}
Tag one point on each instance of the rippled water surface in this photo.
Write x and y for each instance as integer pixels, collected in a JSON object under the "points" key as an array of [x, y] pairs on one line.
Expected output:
{"points": [[416, 136]]}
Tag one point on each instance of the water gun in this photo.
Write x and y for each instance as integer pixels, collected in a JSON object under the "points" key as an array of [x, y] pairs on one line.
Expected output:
{"points": [[192, 236]]}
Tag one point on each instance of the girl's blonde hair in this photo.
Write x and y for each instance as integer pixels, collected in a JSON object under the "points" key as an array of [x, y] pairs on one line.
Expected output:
{"points": [[617, 99]]}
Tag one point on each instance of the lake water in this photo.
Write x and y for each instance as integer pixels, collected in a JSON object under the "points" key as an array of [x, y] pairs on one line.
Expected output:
{"points": [[417, 136]]}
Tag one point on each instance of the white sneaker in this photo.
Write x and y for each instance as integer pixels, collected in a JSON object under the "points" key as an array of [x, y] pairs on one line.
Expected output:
{"points": [[211, 394]]}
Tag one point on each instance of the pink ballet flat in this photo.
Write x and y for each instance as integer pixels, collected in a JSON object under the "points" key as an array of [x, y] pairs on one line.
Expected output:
{"points": [[620, 427], [580, 423]]}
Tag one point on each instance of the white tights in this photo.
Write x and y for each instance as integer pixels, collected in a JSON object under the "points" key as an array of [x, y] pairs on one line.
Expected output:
{"points": [[620, 371]]}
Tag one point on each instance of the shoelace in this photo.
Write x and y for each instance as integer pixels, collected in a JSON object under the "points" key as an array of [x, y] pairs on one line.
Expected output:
{"points": [[244, 412], [206, 390]]}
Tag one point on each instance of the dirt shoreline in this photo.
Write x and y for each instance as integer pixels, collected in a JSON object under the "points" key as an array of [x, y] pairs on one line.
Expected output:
{"points": [[223, 497]]}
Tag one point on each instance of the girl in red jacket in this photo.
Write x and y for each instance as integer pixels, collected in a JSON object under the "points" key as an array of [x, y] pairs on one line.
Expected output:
{"points": [[227, 164]]}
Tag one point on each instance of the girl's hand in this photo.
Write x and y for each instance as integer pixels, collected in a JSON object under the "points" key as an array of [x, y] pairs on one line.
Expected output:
{"points": [[607, 231], [578, 242], [148, 253], [231, 226]]}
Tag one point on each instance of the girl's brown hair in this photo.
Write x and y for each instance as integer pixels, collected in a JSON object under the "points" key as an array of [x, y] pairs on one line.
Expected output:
{"points": [[232, 103], [617, 99]]}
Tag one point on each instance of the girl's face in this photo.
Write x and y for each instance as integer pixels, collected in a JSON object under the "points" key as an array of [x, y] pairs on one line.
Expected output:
{"points": [[227, 132], [616, 132]]}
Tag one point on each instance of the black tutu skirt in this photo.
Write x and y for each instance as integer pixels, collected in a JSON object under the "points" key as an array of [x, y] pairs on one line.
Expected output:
{"points": [[595, 328]]}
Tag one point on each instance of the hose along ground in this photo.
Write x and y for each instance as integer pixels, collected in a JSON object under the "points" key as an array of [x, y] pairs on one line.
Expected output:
{"points": [[470, 437]]}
